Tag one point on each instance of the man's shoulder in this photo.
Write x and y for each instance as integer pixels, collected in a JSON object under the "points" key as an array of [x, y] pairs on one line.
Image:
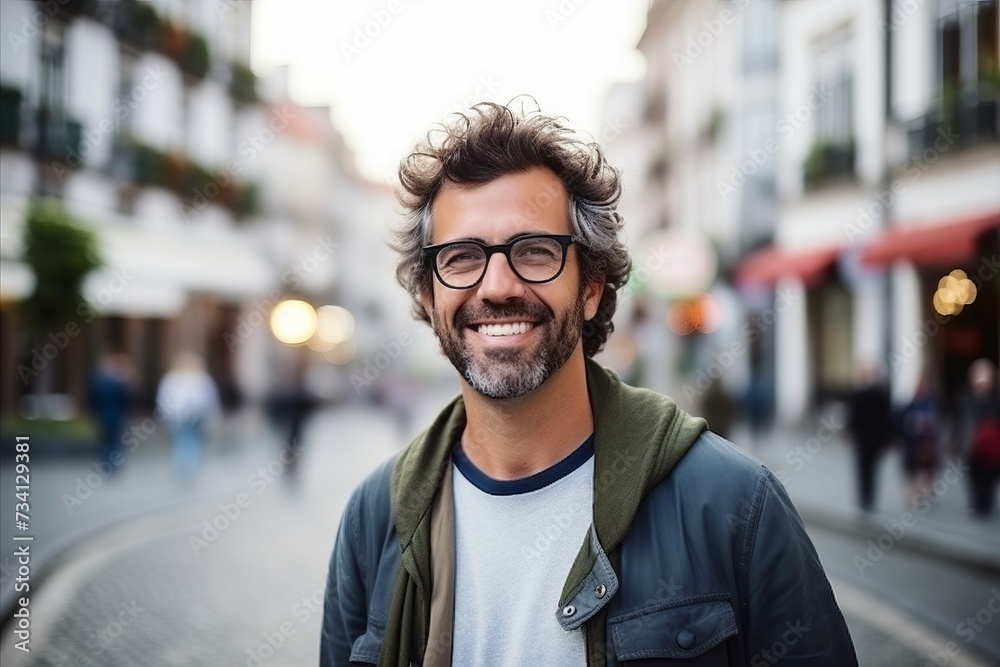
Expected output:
{"points": [[717, 467]]}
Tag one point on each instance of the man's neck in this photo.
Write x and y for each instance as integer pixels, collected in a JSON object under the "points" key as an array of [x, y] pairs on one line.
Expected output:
{"points": [[515, 438]]}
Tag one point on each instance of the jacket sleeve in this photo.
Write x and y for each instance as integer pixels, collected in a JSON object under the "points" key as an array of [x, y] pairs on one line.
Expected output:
{"points": [[790, 608], [345, 607]]}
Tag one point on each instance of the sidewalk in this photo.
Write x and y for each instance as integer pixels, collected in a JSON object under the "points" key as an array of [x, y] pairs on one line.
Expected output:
{"points": [[73, 499], [229, 575], [820, 478]]}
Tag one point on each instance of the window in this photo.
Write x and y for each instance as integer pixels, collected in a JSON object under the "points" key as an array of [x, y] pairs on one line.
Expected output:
{"points": [[832, 154], [833, 72], [968, 73], [967, 42]]}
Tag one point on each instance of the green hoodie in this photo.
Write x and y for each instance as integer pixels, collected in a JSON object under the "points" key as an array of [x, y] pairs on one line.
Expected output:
{"points": [[640, 428]]}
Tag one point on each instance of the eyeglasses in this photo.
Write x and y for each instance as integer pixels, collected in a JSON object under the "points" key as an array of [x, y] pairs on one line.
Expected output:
{"points": [[536, 258]]}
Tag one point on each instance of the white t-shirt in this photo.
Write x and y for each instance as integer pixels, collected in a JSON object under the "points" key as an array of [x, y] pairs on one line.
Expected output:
{"points": [[515, 542]]}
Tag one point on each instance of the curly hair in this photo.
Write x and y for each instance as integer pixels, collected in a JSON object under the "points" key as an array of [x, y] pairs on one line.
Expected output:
{"points": [[491, 141]]}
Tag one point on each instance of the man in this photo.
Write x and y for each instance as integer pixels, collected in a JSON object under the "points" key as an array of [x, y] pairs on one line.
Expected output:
{"points": [[869, 420], [553, 515]]}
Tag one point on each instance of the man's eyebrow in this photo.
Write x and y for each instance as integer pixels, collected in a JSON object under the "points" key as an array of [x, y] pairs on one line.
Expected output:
{"points": [[509, 239]]}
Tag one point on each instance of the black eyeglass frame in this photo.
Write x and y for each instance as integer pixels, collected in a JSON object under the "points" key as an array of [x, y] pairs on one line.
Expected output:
{"points": [[564, 240]]}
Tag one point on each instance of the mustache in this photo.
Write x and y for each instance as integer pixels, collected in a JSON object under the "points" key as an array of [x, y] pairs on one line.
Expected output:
{"points": [[470, 312]]}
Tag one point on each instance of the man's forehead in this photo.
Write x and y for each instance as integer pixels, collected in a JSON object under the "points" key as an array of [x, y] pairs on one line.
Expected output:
{"points": [[531, 199]]}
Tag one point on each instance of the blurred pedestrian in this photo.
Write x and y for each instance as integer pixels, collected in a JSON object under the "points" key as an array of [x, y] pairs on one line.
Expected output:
{"points": [[979, 435], [189, 400], [109, 397], [756, 407], [920, 430], [717, 408], [870, 423], [290, 406]]}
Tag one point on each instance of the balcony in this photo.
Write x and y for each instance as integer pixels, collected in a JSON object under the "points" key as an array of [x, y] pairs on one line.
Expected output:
{"points": [[969, 117], [828, 163], [193, 183], [140, 26]]}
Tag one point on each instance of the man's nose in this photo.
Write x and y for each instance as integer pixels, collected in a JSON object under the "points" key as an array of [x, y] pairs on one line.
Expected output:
{"points": [[500, 283]]}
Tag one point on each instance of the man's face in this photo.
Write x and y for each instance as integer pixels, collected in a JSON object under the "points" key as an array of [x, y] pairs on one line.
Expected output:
{"points": [[511, 364]]}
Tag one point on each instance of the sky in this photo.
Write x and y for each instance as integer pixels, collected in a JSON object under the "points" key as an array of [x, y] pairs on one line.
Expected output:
{"points": [[391, 69]]}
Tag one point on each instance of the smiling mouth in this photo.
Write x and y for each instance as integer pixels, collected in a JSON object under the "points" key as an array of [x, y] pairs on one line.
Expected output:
{"points": [[507, 329]]}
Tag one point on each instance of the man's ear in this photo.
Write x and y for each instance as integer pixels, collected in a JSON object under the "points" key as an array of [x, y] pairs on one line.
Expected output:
{"points": [[593, 290]]}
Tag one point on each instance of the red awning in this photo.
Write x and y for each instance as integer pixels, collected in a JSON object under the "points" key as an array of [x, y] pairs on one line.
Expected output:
{"points": [[768, 265], [950, 242]]}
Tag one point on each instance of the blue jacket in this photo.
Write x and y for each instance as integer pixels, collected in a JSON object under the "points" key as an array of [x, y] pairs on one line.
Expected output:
{"points": [[709, 566]]}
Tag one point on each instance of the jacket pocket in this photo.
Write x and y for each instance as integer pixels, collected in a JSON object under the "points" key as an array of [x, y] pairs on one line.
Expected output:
{"points": [[688, 634]]}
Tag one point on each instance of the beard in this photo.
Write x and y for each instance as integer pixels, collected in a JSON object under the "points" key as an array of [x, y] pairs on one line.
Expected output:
{"points": [[511, 372]]}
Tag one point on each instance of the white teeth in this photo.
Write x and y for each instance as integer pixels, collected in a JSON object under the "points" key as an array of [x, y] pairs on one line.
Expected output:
{"points": [[504, 329]]}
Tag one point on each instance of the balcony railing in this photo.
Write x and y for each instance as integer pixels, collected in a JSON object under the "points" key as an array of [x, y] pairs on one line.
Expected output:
{"points": [[966, 118], [193, 183], [827, 163]]}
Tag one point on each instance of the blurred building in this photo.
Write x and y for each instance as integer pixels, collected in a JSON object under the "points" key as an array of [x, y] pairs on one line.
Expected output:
{"points": [[212, 196], [708, 97], [842, 157]]}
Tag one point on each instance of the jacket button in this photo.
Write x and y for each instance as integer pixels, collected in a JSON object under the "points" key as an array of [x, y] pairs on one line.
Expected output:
{"points": [[569, 610], [600, 591], [685, 639]]}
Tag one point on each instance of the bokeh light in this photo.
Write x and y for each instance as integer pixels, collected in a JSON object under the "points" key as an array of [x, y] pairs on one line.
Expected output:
{"points": [[954, 292], [700, 314], [293, 322]]}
